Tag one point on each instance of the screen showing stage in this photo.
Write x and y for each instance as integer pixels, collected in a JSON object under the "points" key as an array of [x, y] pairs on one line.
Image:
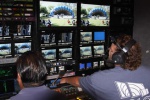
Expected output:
{"points": [[95, 15], [58, 14]]}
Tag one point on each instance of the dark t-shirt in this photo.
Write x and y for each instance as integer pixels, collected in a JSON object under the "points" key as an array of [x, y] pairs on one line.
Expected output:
{"points": [[38, 93], [118, 84]]}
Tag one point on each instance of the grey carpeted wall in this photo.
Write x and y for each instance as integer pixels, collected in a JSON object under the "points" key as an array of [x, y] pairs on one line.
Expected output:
{"points": [[141, 30]]}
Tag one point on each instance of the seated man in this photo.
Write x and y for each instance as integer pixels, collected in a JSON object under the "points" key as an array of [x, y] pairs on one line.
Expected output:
{"points": [[32, 71], [128, 80]]}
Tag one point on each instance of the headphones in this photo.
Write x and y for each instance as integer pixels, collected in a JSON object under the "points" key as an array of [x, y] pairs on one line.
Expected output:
{"points": [[119, 57]]}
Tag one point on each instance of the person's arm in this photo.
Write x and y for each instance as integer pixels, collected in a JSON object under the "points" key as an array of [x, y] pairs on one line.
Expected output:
{"points": [[71, 80]]}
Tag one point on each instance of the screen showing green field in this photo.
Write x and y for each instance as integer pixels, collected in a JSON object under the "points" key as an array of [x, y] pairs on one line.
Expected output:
{"points": [[95, 15], [57, 14]]}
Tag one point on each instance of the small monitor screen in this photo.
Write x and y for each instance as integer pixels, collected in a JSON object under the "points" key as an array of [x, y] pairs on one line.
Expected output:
{"points": [[98, 50], [65, 38], [95, 64], [101, 63], [81, 66], [4, 30], [65, 53], [95, 15], [49, 54], [85, 37], [22, 47], [58, 14], [99, 36], [85, 52], [24, 30], [48, 39], [88, 65], [5, 49]]}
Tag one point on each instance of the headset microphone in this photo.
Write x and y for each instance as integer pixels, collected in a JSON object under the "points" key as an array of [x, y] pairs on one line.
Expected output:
{"points": [[119, 57], [108, 63]]}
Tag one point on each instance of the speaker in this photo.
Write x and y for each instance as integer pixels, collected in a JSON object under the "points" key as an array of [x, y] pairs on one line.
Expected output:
{"points": [[119, 57]]}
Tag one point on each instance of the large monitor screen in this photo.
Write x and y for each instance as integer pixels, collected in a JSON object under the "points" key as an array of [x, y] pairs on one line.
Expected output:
{"points": [[65, 53], [49, 54], [85, 52], [58, 14], [22, 47], [5, 49], [95, 15]]}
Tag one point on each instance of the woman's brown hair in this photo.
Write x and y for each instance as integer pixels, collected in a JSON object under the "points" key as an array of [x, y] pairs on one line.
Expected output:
{"points": [[134, 56]]}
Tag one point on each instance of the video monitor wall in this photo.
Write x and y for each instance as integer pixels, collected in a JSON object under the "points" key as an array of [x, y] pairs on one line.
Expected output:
{"points": [[57, 14]]}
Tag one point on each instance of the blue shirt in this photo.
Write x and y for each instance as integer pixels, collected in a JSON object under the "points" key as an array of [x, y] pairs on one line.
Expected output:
{"points": [[38, 93], [118, 84]]}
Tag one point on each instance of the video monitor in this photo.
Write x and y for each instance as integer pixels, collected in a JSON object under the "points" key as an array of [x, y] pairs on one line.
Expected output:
{"points": [[53, 70], [95, 15], [99, 36], [65, 38], [23, 31], [85, 37], [81, 66], [65, 53], [98, 50], [85, 52], [4, 32], [48, 39], [22, 47], [88, 65], [95, 64], [101, 63], [5, 49], [57, 14], [49, 54]]}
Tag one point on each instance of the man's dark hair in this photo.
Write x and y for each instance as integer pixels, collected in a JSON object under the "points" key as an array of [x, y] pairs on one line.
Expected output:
{"points": [[32, 67]]}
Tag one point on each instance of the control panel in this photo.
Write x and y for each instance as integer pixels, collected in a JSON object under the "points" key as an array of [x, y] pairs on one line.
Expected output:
{"points": [[72, 92]]}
